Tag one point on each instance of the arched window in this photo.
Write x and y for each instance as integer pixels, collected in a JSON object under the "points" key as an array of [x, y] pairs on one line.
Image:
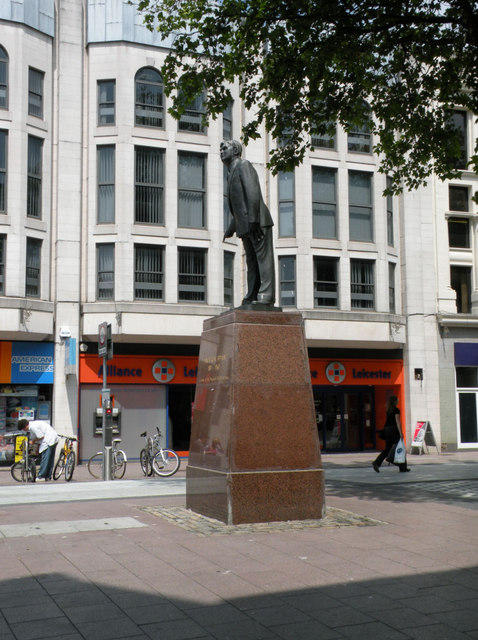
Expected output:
{"points": [[149, 109], [3, 78], [191, 120]]}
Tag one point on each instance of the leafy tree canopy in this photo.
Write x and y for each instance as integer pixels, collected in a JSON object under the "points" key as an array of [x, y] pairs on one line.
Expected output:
{"points": [[303, 65]]}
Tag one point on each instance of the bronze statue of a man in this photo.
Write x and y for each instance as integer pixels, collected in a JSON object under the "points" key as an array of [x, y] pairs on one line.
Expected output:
{"points": [[252, 222]]}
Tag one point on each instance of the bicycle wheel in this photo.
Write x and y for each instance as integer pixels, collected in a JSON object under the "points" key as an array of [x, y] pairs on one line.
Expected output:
{"points": [[60, 465], [119, 462], [20, 473], [166, 462], [95, 465], [69, 466], [145, 462]]}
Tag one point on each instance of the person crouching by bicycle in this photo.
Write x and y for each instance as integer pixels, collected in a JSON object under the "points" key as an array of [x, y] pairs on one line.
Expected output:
{"points": [[42, 432]]}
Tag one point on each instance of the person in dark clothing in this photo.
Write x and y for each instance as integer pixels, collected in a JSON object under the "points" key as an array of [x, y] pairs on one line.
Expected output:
{"points": [[392, 432]]}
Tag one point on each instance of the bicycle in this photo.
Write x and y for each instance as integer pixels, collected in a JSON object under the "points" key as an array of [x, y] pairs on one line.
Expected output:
{"points": [[24, 470], [67, 460], [119, 460], [154, 459]]}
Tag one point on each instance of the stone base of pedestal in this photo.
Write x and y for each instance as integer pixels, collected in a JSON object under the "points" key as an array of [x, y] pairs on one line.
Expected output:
{"points": [[261, 496], [254, 452]]}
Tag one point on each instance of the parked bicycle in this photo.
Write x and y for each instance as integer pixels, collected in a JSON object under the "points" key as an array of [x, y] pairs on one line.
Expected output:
{"points": [[119, 460], [154, 459], [24, 470], [67, 459]]}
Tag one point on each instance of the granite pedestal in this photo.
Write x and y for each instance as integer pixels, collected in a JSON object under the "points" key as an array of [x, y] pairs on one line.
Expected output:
{"points": [[254, 452]]}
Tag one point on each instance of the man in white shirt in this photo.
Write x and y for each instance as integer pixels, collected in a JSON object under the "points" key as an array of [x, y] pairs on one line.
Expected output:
{"points": [[41, 431]]}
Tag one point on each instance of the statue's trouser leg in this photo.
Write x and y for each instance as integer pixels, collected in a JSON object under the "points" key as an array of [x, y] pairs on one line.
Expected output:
{"points": [[253, 276], [264, 251]]}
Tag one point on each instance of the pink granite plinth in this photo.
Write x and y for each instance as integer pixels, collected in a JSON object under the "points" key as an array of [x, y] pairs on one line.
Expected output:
{"points": [[254, 452]]}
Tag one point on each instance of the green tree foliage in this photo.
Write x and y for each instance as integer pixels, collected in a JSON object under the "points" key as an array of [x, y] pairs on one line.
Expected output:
{"points": [[303, 65]]}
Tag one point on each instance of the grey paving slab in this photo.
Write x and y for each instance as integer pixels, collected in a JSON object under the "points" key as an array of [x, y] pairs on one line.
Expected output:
{"points": [[67, 526]]}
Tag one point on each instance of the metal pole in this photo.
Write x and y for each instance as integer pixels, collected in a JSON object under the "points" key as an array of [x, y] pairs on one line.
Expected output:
{"points": [[106, 430]]}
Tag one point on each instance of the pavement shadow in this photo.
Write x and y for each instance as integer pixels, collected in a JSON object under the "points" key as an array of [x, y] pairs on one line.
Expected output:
{"points": [[426, 605]]}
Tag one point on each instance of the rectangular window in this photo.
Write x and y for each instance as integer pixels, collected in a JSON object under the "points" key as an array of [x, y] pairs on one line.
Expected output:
{"points": [[3, 170], [459, 233], [326, 286], [33, 263], [461, 282], [35, 92], [227, 122], [149, 203], [106, 102], [286, 204], [362, 284], [287, 281], [192, 190], [458, 198], [148, 272], [324, 203], [226, 211], [228, 279], [3, 251], [3, 78], [191, 275], [390, 239], [322, 141], [106, 183], [105, 268], [34, 180], [391, 287], [458, 121], [360, 206], [192, 118], [359, 139]]}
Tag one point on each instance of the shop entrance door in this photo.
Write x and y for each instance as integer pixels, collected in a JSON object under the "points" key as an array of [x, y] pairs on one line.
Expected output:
{"points": [[345, 418]]}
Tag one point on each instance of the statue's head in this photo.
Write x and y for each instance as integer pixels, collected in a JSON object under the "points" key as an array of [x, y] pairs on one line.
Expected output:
{"points": [[230, 148]]}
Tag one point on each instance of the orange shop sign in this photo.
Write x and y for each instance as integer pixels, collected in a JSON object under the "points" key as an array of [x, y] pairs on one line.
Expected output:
{"points": [[346, 371], [139, 370]]}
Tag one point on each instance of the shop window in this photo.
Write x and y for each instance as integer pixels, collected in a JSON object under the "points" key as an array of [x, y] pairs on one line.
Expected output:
{"points": [[192, 190], [3, 250], [35, 92], [191, 275], [467, 386], [362, 284], [34, 178], [458, 198], [106, 183], [149, 90], [458, 122], [192, 118], [326, 286], [3, 78], [3, 170], [287, 281], [461, 283], [323, 140], [148, 272], [459, 233], [286, 189], [105, 265], [390, 237], [106, 102], [149, 185], [33, 264], [467, 377], [228, 279], [324, 202], [227, 122], [391, 287]]}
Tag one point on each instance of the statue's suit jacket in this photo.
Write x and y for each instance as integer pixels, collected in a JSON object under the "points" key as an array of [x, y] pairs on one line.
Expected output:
{"points": [[245, 198]]}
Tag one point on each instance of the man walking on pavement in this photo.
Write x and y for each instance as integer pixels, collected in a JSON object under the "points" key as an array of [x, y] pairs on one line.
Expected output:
{"points": [[41, 431]]}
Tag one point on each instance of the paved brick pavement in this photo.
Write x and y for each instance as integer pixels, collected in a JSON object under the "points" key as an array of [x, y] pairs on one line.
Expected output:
{"points": [[411, 572]]}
